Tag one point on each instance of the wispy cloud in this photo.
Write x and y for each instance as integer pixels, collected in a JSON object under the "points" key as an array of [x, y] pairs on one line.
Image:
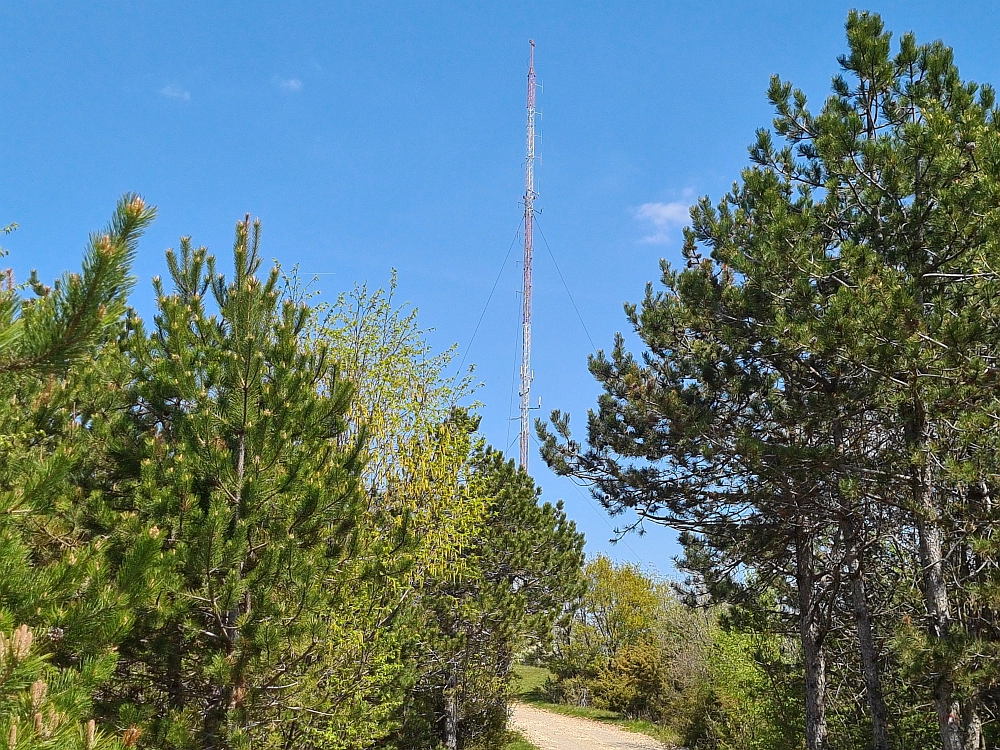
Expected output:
{"points": [[293, 85], [173, 91], [663, 217]]}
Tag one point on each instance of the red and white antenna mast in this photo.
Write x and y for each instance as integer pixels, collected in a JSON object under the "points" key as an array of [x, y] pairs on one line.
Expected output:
{"points": [[529, 217]]}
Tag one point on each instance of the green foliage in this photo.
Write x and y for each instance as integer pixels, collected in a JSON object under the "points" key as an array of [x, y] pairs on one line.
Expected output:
{"points": [[256, 525], [480, 567], [746, 703], [416, 517], [529, 681], [67, 584], [253, 525], [40, 706], [515, 741], [242, 470], [402, 390], [632, 652], [609, 652], [504, 593], [65, 321], [815, 403]]}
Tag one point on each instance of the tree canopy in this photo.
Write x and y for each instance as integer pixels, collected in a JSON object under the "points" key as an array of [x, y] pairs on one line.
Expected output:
{"points": [[810, 405], [256, 522]]}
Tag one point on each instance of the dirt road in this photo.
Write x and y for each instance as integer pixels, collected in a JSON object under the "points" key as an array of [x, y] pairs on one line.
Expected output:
{"points": [[551, 731]]}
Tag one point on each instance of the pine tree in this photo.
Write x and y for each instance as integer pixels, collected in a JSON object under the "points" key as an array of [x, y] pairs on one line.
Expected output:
{"points": [[841, 335], [41, 706], [64, 322], [906, 157], [514, 578], [64, 601], [238, 431], [729, 450]]}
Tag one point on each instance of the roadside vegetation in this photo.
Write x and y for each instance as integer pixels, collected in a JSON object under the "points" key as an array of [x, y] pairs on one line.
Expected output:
{"points": [[813, 404], [253, 522], [256, 521], [516, 742], [634, 655]]}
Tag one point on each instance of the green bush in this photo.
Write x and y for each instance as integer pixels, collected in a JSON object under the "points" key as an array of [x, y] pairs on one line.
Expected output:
{"points": [[633, 648]]}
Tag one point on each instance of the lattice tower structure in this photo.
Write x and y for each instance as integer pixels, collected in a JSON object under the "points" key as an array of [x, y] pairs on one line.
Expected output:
{"points": [[529, 218]]}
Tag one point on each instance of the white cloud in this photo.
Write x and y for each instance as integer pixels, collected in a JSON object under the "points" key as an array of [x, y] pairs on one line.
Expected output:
{"points": [[663, 217], [175, 92], [289, 84]]}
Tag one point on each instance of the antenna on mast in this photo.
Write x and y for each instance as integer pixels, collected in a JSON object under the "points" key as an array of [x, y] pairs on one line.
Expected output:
{"points": [[529, 216]]}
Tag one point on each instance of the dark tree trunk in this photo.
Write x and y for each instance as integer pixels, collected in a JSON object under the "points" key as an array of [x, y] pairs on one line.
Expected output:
{"points": [[866, 633], [176, 689], [870, 665], [811, 635], [931, 546], [852, 525]]}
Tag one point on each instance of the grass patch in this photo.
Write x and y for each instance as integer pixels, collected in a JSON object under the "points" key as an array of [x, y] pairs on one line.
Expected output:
{"points": [[516, 741], [528, 684]]}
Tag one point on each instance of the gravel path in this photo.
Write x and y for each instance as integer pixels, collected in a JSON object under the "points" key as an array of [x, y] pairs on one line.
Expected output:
{"points": [[551, 731]]}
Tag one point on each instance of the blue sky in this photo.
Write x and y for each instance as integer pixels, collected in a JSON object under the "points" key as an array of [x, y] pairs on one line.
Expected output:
{"points": [[372, 136]]}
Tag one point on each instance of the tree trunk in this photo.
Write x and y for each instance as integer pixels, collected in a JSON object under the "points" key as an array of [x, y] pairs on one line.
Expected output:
{"points": [[811, 635], [869, 665], [853, 541], [974, 739], [224, 692], [935, 589], [451, 712], [866, 634]]}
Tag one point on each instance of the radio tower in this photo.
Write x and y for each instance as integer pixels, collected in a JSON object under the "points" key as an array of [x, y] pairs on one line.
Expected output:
{"points": [[529, 216]]}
